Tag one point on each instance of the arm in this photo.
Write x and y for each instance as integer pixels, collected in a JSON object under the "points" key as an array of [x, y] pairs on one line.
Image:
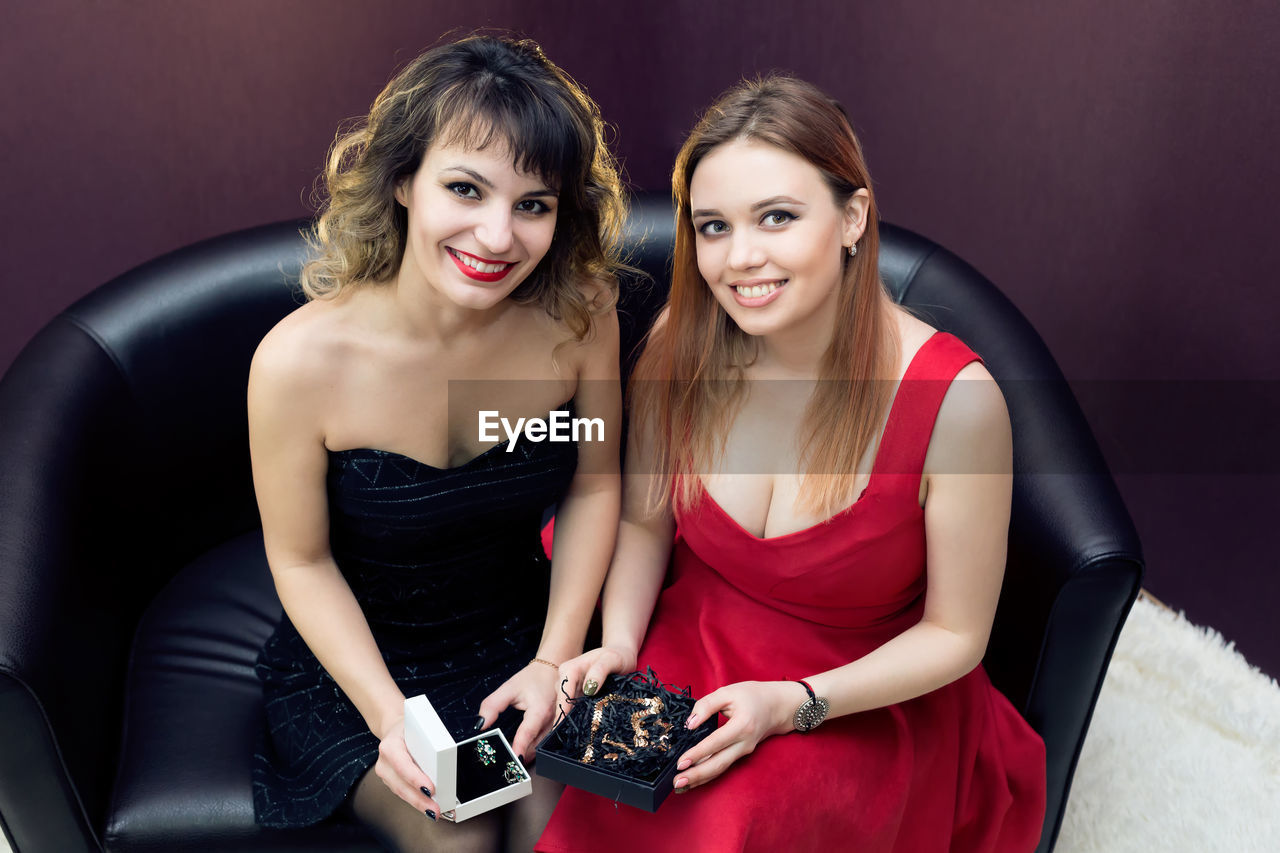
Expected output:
{"points": [[969, 483], [586, 524], [639, 564], [286, 443]]}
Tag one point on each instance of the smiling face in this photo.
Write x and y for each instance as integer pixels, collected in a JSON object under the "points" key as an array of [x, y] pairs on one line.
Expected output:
{"points": [[771, 239], [477, 226]]}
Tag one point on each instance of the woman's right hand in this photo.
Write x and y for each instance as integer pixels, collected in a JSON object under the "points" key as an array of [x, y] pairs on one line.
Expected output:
{"points": [[399, 772], [591, 669]]}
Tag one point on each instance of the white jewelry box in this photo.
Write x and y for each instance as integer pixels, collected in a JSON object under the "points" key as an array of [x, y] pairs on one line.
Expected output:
{"points": [[442, 759]]}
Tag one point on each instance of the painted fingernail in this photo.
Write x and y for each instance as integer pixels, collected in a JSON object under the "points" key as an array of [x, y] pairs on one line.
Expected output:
{"points": [[431, 814], [479, 724], [424, 789], [684, 764], [692, 722], [681, 786], [590, 686]]}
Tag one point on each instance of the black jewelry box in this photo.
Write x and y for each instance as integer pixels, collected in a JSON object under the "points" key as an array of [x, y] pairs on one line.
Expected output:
{"points": [[624, 742]]}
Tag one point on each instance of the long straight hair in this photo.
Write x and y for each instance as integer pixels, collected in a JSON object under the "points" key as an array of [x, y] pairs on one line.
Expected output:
{"points": [[692, 368]]}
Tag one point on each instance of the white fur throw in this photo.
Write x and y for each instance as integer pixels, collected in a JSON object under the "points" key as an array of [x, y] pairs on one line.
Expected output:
{"points": [[1183, 753]]}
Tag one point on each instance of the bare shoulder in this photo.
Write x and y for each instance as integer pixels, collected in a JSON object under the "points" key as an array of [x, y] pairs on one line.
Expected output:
{"points": [[974, 397], [296, 365], [974, 400], [308, 343], [600, 346], [597, 292], [602, 302], [972, 432], [912, 334]]}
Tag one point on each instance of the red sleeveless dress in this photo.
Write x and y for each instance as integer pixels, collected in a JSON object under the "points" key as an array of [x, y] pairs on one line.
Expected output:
{"points": [[953, 770]]}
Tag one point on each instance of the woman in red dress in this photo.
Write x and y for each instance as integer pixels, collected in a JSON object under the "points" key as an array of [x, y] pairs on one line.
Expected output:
{"points": [[839, 507]]}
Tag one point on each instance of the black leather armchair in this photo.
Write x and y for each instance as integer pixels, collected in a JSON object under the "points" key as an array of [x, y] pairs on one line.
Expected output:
{"points": [[134, 594]]}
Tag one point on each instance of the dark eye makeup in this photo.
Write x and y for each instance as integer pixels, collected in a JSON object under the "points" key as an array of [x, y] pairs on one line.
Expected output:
{"points": [[468, 190], [778, 217], [534, 206], [463, 189], [771, 219]]}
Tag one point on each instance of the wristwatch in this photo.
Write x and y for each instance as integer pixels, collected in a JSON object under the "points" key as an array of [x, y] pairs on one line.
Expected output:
{"points": [[811, 712]]}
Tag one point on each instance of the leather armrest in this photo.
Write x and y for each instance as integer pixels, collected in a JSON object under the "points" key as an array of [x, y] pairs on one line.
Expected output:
{"points": [[67, 607]]}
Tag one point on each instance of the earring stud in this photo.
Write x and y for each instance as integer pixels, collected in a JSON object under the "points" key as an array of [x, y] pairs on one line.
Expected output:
{"points": [[853, 249]]}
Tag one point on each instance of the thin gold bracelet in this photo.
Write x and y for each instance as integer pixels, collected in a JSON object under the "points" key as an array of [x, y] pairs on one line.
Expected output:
{"points": [[556, 667]]}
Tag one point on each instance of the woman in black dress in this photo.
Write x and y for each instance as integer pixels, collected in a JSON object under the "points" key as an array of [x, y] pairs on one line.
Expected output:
{"points": [[464, 262]]}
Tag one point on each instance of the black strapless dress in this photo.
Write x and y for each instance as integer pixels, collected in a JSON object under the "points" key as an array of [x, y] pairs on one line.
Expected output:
{"points": [[448, 566]]}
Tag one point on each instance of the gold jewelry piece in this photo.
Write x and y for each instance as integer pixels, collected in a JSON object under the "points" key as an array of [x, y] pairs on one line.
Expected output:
{"points": [[650, 707], [512, 773], [485, 752], [556, 667], [596, 716], [590, 686], [610, 740], [653, 707]]}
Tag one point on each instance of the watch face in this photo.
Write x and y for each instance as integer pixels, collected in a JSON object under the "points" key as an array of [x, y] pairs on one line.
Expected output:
{"points": [[810, 714]]}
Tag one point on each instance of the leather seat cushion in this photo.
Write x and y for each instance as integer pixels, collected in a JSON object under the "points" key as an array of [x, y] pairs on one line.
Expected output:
{"points": [[194, 711]]}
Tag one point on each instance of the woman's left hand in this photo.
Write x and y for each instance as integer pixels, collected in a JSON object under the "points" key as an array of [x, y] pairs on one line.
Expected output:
{"points": [[754, 710], [532, 690]]}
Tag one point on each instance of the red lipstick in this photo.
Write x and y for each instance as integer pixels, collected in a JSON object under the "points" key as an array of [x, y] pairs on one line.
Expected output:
{"points": [[473, 273]]}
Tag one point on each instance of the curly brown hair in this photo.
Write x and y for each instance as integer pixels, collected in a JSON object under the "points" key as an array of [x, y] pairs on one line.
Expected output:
{"points": [[478, 91]]}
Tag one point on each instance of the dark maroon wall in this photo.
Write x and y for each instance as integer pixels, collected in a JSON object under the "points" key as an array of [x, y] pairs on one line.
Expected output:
{"points": [[1111, 166]]}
